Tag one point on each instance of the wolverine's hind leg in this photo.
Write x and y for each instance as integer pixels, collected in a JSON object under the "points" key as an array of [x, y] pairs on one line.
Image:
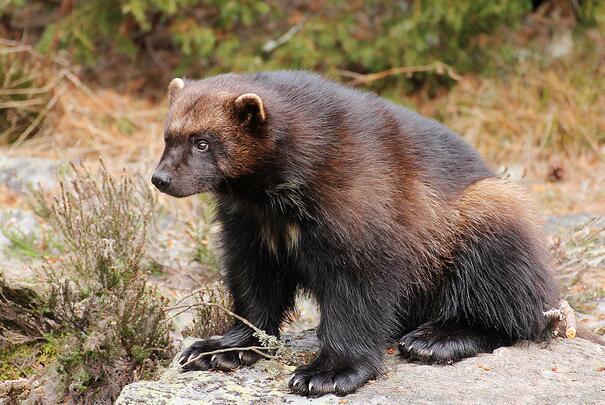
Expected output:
{"points": [[496, 284], [446, 343]]}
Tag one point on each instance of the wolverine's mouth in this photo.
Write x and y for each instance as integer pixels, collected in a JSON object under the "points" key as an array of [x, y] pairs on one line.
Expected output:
{"points": [[174, 191], [180, 193], [172, 184]]}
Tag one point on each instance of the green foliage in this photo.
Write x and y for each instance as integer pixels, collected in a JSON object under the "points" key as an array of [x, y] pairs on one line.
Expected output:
{"points": [[592, 12], [30, 245], [22, 360], [327, 35], [210, 320], [199, 232]]}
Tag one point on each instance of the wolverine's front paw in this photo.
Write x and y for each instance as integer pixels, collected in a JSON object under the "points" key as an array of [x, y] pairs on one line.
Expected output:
{"points": [[313, 380], [199, 356]]}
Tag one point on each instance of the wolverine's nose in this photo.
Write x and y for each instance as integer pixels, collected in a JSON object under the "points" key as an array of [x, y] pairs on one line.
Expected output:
{"points": [[161, 180]]}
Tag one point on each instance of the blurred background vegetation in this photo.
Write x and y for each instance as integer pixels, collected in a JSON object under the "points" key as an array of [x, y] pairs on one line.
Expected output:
{"points": [[521, 80], [213, 36], [406, 50]]}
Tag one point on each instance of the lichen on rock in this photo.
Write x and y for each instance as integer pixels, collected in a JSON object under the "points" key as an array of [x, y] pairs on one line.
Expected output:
{"points": [[570, 372]]}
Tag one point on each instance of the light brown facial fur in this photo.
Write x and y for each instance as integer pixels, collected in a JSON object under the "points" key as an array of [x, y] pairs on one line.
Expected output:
{"points": [[212, 135]]}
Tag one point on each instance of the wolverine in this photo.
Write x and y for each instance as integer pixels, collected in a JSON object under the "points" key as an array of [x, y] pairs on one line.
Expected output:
{"points": [[390, 220]]}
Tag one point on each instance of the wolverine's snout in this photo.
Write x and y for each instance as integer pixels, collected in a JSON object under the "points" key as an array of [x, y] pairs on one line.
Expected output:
{"points": [[161, 180]]}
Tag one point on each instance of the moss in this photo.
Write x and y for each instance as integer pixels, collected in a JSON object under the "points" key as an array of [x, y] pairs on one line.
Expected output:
{"points": [[25, 360], [31, 245]]}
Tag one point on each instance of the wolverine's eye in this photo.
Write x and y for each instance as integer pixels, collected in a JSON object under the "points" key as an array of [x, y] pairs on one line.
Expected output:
{"points": [[202, 146]]}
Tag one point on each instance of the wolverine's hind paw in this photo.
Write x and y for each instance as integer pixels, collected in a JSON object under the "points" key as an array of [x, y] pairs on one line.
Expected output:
{"points": [[446, 344]]}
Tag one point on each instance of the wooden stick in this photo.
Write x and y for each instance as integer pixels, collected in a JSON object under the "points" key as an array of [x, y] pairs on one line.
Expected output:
{"points": [[256, 349], [563, 313], [437, 67], [570, 319]]}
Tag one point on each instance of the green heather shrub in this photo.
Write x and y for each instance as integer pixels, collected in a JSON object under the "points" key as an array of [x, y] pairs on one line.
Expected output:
{"points": [[111, 321], [210, 320]]}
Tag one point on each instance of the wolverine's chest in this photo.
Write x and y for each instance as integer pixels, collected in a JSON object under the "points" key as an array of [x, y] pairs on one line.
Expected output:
{"points": [[280, 237]]}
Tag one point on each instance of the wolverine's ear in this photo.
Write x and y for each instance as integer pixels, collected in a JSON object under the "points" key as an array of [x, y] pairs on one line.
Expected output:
{"points": [[249, 107], [174, 88]]}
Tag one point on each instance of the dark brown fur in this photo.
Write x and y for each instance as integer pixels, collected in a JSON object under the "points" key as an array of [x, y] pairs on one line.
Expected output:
{"points": [[389, 219]]}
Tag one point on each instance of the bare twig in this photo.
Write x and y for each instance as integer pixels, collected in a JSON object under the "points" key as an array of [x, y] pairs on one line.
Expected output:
{"points": [[155, 57], [212, 304], [256, 349], [265, 339], [191, 294], [273, 44], [437, 67]]}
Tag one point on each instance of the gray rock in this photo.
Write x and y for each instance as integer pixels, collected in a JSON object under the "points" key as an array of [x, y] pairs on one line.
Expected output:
{"points": [[565, 372], [15, 271], [564, 223], [18, 173], [16, 220]]}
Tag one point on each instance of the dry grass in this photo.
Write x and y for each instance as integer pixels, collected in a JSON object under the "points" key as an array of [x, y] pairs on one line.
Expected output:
{"points": [[70, 119], [28, 92], [544, 120], [534, 113], [579, 257], [208, 320]]}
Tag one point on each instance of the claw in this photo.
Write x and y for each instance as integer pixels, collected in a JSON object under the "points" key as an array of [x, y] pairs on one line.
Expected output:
{"points": [[212, 358], [240, 355], [181, 360], [291, 378], [191, 356], [310, 386], [334, 386]]}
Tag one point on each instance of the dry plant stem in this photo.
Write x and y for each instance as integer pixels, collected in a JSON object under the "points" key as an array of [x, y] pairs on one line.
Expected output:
{"points": [[256, 349], [438, 67], [212, 304], [191, 294], [570, 319], [38, 119]]}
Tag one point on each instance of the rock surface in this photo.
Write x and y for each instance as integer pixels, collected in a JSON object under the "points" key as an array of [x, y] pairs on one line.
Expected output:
{"points": [[565, 372], [18, 173]]}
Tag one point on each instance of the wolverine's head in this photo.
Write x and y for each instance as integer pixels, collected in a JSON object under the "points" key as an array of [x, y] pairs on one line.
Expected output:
{"points": [[214, 131]]}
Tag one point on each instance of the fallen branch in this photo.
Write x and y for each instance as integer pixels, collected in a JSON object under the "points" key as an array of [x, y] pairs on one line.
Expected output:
{"points": [[268, 342], [438, 67], [570, 319], [564, 313]]}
